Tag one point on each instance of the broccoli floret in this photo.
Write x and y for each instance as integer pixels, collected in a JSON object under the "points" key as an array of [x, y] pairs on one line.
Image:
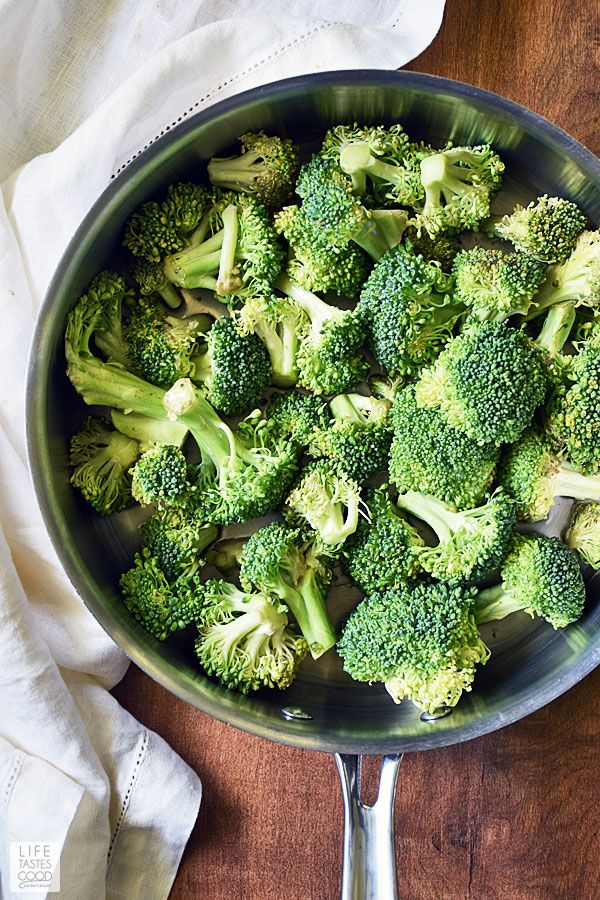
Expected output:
{"points": [[420, 640], [546, 229], [373, 157], [158, 229], [329, 359], [382, 551], [533, 474], [151, 279], [584, 533], [440, 249], [163, 347], [540, 577], [149, 432], [471, 544], [277, 561], [555, 332], [296, 416], [577, 416], [328, 502], [242, 257], [429, 456], [278, 321], [495, 285], [243, 474], [486, 383], [358, 438], [314, 264], [109, 290], [408, 311], [266, 167], [177, 539], [576, 280], [333, 209], [234, 368], [101, 460], [160, 476], [245, 641], [459, 184]]}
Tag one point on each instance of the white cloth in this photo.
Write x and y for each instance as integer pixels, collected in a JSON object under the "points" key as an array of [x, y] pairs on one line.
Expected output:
{"points": [[85, 85]]}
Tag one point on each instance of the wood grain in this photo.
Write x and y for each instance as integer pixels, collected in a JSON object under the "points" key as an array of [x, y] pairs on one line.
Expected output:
{"points": [[512, 816]]}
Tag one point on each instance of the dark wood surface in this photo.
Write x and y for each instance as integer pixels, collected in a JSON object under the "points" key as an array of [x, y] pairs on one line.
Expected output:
{"points": [[511, 816]]}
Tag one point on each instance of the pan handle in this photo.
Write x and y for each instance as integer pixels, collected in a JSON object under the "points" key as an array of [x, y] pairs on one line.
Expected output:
{"points": [[369, 864]]}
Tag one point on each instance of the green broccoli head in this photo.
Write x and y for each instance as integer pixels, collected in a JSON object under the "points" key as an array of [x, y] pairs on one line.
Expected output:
{"points": [[406, 306], [160, 476], [156, 230], [235, 368], [421, 640], [584, 533], [372, 156], [459, 184], [541, 577], [244, 639], [382, 551], [101, 460], [314, 264], [429, 456], [177, 539], [151, 279], [487, 383], [494, 285], [357, 439], [577, 417], [266, 168], [546, 229], [296, 417], [278, 561], [110, 292], [278, 322], [440, 249], [533, 474], [161, 608], [326, 501], [470, 544]]}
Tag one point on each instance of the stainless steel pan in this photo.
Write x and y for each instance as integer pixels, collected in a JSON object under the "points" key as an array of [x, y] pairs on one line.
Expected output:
{"points": [[531, 664]]}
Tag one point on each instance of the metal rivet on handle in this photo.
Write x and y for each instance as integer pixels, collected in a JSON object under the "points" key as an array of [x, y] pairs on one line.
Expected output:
{"points": [[440, 713], [295, 712]]}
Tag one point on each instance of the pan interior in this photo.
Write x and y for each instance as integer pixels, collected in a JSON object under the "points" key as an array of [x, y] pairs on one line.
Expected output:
{"points": [[530, 663]]}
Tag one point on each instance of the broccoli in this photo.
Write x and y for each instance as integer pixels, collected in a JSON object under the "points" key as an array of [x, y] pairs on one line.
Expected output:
{"points": [[329, 359], [160, 607], [278, 322], [333, 210], [244, 639], [540, 577], [160, 476], [101, 460], [459, 184], [163, 347], [266, 167], [148, 432], [242, 257], [234, 368], [420, 640], [328, 502], [532, 473], [406, 307], [576, 280], [314, 264], [109, 290], [486, 383], [226, 554], [547, 229], [471, 544], [495, 285], [429, 456], [158, 229], [177, 539], [440, 249], [358, 438], [555, 331], [584, 533], [277, 561], [373, 157], [577, 416], [243, 474], [151, 279], [382, 551], [295, 416]]}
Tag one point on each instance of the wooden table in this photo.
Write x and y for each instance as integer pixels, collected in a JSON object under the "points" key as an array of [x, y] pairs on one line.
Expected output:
{"points": [[511, 816]]}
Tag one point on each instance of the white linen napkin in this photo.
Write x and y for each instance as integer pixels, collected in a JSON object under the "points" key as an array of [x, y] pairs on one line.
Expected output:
{"points": [[86, 85]]}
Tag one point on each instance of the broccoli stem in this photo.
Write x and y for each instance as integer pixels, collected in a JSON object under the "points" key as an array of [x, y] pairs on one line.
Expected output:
{"points": [[170, 295], [570, 483], [197, 236], [228, 279], [190, 268], [102, 384], [494, 603], [214, 438], [382, 230], [346, 407], [148, 431], [316, 309], [335, 526], [557, 327], [442, 179], [234, 173], [434, 512], [307, 605], [357, 158]]}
